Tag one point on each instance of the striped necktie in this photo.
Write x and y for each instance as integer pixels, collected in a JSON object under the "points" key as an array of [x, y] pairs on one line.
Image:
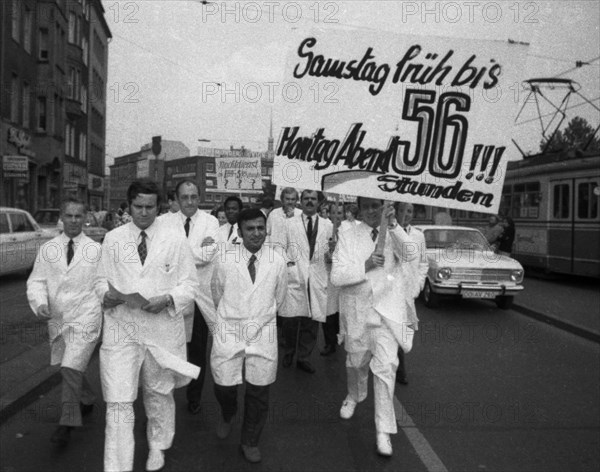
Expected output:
{"points": [[142, 249]]}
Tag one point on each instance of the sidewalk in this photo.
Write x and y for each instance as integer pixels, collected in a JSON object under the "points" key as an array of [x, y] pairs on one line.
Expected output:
{"points": [[569, 304]]}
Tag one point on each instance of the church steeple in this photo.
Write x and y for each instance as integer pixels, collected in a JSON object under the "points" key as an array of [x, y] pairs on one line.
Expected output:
{"points": [[270, 150]]}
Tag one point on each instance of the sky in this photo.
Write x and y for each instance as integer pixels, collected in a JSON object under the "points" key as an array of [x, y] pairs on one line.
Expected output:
{"points": [[187, 70]]}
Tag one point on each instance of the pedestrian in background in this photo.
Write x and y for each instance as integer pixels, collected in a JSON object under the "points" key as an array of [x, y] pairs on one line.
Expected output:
{"points": [[228, 232], [60, 289], [201, 232], [508, 237], [249, 285], [493, 232], [305, 305], [373, 306], [143, 345], [278, 218]]}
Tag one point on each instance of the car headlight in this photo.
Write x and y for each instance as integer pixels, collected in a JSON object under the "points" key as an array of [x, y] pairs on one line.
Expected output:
{"points": [[516, 275], [444, 273]]}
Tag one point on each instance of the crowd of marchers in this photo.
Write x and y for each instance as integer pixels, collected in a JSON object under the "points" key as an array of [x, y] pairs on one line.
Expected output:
{"points": [[258, 281]]}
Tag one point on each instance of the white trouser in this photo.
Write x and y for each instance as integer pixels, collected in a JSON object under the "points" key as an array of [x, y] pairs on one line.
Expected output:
{"points": [[382, 358], [119, 442]]}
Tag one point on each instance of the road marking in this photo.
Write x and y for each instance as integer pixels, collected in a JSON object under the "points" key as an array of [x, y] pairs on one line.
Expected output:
{"points": [[422, 447]]}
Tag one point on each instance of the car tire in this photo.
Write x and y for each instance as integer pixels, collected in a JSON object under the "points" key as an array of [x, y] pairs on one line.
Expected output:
{"points": [[504, 301], [430, 298]]}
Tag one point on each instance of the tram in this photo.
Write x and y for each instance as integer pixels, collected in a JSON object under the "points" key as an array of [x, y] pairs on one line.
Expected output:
{"points": [[554, 200]]}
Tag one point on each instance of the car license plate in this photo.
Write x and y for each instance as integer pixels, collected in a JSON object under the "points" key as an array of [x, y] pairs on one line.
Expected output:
{"points": [[478, 294]]}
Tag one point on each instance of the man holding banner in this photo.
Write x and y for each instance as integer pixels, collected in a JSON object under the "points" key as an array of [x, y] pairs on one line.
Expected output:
{"points": [[367, 265]]}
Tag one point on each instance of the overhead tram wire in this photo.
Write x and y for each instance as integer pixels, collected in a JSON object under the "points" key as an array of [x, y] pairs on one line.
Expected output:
{"points": [[551, 113]]}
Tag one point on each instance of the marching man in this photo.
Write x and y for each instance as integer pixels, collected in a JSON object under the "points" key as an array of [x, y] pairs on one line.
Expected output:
{"points": [[143, 344], [60, 289], [373, 300], [249, 285]]}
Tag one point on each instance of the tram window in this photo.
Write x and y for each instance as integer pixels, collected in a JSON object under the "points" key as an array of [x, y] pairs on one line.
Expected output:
{"points": [[562, 201], [526, 200], [587, 200]]}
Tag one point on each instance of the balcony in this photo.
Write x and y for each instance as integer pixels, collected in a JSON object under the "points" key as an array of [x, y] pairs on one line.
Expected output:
{"points": [[73, 108]]}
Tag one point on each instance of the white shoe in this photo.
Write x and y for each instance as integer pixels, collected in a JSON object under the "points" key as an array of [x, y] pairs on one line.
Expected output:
{"points": [[348, 407], [156, 460], [384, 444]]}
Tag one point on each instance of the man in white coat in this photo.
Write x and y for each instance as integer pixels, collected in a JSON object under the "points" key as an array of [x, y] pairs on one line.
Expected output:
{"points": [[305, 306], [372, 305], [143, 342], [228, 233], [278, 218], [415, 275], [61, 290], [200, 229], [249, 285]]}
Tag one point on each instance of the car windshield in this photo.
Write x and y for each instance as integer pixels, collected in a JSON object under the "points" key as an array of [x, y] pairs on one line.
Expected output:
{"points": [[46, 217], [455, 239]]}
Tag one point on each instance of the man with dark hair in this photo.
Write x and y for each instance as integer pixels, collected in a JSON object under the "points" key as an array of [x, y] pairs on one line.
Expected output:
{"points": [[249, 285], [144, 337], [172, 201], [306, 243], [228, 232], [266, 205], [200, 230], [60, 289], [373, 306]]}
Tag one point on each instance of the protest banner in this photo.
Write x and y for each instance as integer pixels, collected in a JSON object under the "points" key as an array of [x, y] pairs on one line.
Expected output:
{"points": [[239, 174], [426, 120]]}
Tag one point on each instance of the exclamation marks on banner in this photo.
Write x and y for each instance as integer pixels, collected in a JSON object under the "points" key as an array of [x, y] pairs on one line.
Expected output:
{"points": [[484, 164]]}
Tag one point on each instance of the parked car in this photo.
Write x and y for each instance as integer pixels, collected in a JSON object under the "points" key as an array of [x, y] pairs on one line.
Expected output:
{"points": [[50, 218], [20, 240], [462, 263]]}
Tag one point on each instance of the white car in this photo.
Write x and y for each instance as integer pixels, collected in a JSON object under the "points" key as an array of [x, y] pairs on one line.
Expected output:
{"points": [[461, 263], [20, 240]]}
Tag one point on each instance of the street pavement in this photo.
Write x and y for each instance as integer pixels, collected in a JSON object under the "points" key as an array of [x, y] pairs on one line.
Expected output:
{"points": [[489, 389]]}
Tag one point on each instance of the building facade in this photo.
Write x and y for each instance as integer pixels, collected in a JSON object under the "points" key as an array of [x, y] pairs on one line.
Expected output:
{"points": [[48, 141]]}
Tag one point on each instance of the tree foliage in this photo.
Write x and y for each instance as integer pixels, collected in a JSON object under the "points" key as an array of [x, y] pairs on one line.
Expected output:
{"points": [[574, 137]]}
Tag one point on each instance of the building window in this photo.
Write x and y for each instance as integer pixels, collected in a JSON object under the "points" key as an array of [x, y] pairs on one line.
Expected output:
{"points": [[83, 147], [27, 25], [209, 197], [26, 105], [43, 44], [16, 20], [14, 99], [42, 114], [72, 26], [210, 167], [210, 183], [218, 198], [84, 46], [83, 98]]}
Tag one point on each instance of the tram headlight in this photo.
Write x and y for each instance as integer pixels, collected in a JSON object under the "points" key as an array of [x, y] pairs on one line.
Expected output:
{"points": [[517, 275], [444, 273]]}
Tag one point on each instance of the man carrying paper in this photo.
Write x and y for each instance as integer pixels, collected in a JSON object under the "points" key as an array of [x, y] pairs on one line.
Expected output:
{"points": [[144, 345]]}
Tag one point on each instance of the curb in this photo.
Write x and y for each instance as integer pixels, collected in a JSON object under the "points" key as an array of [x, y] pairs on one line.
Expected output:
{"points": [[571, 328]]}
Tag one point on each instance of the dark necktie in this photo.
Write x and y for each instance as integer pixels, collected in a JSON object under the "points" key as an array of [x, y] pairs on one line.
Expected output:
{"points": [[70, 251], [374, 234], [142, 249], [230, 232], [252, 268], [309, 235], [186, 226]]}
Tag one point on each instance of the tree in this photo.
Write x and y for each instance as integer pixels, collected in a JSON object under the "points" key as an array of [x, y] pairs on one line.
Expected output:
{"points": [[574, 137]]}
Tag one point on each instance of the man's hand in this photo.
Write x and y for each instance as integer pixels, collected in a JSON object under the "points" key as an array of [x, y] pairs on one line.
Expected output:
{"points": [[375, 260], [389, 213], [44, 312], [157, 304], [207, 241], [110, 302]]}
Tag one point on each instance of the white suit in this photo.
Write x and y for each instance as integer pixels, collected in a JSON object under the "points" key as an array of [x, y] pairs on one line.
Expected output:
{"points": [[202, 225], [373, 314], [245, 327], [68, 291], [138, 343], [277, 227], [307, 274], [415, 273]]}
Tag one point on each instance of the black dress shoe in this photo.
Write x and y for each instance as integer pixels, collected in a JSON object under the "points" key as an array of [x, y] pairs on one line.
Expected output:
{"points": [[61, 436], [329, 349], [287, 360], [86, 409], [194, 407], [305, 366]]}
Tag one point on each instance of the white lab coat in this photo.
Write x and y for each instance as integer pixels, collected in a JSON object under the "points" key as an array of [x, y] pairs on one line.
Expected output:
{"points": [[130, 333], [225, 239], [202, 225], [305, 273], [385, 289], [277, 227], [68, 291], [245, 327], [415, 273]]}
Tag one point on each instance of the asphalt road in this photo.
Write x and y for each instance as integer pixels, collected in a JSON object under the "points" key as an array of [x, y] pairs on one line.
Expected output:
{"points": [[489, 390]]}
